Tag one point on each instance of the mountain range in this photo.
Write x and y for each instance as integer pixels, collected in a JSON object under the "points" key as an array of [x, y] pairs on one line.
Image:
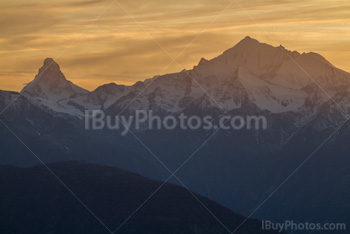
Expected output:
{"points": [[271, 78], [37, 203], [304, 97]]}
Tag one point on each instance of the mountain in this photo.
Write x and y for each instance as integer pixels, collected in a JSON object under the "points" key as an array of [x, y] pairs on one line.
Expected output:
{"points": [[303, 96], [34, 201], [272, 78], [50, 87], [54, 139]]}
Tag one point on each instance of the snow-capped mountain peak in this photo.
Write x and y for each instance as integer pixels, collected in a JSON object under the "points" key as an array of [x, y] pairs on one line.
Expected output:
{"points": [[274, 77], [50, 64], [49, 73], [50, 84], [271, 78]]}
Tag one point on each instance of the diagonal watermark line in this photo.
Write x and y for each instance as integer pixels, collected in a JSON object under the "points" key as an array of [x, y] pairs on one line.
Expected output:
{"points": [[340, 108], [125, 107], [133, 213], [200, 202], [200, 147], [196, 81], [293, 173], [3, 111], [173, 60], [178, 64], [172, 175], [269, 34], [181, 52], [202, 31], [64, 185], [62, 52], [169, 55], [165, 51]]}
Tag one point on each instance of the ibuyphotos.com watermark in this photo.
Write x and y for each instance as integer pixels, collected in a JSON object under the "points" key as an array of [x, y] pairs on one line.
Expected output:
{"points": [[146, 120], [292, 226]]}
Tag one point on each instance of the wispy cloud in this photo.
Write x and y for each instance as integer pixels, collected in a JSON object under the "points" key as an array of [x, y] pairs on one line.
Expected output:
{"points": [[116, 49]]}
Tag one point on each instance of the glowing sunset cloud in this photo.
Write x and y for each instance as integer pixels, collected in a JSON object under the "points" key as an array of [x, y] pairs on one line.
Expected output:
{"points": [[119, 48]]}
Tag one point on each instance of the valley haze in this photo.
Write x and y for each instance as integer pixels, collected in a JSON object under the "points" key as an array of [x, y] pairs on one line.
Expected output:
{"points": [[297, 168]]}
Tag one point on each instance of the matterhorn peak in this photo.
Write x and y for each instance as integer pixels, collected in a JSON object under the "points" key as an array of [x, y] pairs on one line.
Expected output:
{"points": [[49, 71], [49, 62], [50, 83]]}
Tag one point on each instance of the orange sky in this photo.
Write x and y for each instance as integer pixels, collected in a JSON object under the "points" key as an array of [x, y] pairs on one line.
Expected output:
{"points": [[114, 48]]}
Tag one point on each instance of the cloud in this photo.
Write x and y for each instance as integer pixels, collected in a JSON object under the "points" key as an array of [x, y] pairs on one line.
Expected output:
{"points": [[25, 19], [113, 47]]}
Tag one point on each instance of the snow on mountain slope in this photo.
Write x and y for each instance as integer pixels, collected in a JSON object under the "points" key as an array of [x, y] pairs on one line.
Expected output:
{"points": [[50, 87], [261, 58], [269, 96], [101, 98], [107, 94], [50, 84], [310, 68], [273, 78], [7, 97]]}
